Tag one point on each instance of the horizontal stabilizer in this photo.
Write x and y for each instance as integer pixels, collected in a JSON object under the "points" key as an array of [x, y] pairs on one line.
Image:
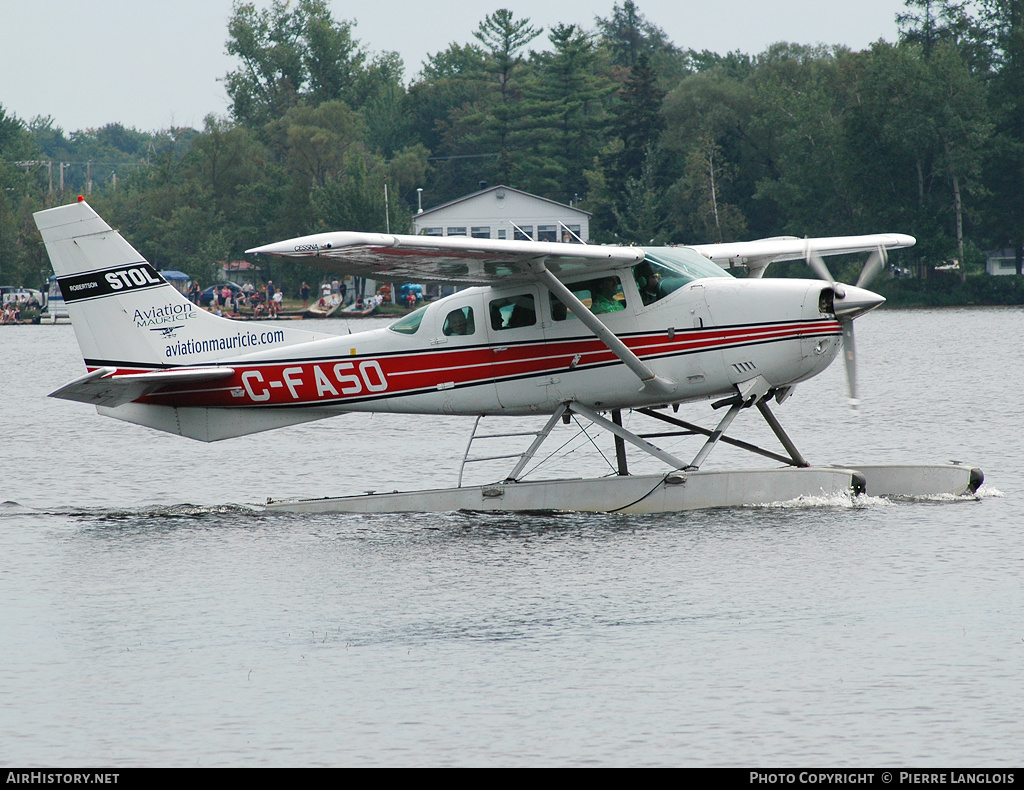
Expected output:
{"points": [[101, 388]]}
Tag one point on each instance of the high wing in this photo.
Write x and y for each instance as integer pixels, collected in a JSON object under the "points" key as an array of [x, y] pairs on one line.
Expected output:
{"points": [[466, 261], [756, 255], [444, 259]]}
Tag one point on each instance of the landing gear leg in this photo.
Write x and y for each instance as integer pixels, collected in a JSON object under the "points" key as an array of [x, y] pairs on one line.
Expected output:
{"points": [[620, 445], [776, 426], [716, 434]]}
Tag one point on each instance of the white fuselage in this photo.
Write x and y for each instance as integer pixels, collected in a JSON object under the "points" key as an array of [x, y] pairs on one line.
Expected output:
{"points": [[705, 337]]}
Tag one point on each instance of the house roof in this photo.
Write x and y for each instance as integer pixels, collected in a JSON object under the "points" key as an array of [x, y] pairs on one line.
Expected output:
{"points": [[474, 195]]}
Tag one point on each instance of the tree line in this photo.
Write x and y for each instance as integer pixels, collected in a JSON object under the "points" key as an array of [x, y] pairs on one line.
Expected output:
{"points": [[663, 144]]}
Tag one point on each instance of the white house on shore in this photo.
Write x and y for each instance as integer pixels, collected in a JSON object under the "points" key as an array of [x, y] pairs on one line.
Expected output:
{"points": [[1001, 262], [502, 212]]}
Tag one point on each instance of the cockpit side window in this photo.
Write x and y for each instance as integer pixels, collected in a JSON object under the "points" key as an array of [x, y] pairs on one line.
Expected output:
{"points": [[667, 269], [655, 281]]}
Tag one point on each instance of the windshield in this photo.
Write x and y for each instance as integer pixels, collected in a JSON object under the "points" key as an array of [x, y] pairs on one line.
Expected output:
{"points": [[666, 269]]}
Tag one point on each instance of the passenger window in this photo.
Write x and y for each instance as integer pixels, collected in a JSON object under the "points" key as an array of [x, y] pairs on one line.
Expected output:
{"points": [[459, 322], [603, 295], [513, 312]]}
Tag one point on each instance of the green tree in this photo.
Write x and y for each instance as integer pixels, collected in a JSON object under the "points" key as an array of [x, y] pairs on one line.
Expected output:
{"points": [[639, 213], [564, 113], [288, 55], [1004, 19], [702, 191], [707, 152], [353, 199], [504, 39], [628, 35], [21, 192], [385, 108], [928, 23], [802, 98], [638, 121], [917, 137]]}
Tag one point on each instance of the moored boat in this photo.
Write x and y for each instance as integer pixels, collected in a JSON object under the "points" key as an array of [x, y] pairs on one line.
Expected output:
{"points": [[325, 307]]}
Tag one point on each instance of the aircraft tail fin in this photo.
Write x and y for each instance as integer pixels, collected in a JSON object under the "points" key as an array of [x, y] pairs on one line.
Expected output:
{"points": [[138, 333], [125, 314]]}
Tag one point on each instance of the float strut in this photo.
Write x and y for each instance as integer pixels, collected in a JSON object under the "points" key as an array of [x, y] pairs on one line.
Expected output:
{"points": [[513, 476], [716, 434], [620, 444], [776, 426]]}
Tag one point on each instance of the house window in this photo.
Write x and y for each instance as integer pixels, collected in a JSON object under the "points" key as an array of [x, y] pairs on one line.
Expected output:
{"points": [[501, 233], [547, 233], [483, 232], [431, 231], [571, 238], [456, 231], [523, 233]]}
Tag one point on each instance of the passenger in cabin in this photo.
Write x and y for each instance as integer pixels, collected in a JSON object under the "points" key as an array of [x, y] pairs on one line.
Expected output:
{"points": [[513, 312], [646, 283], [459, 322], [603, 298]]}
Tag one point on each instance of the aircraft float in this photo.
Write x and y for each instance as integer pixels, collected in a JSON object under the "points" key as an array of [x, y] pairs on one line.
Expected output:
{"points": [[561, 330]]}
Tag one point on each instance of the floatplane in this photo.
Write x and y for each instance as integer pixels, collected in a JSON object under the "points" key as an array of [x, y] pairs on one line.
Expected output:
{"points": [[557, 330]]}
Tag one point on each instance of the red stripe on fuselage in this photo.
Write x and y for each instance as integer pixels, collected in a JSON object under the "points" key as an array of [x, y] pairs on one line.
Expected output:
{"points": [[358, 378]]}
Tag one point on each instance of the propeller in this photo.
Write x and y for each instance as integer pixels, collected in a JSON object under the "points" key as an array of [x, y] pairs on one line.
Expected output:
{"points": [[849, 302], [875, 263]]}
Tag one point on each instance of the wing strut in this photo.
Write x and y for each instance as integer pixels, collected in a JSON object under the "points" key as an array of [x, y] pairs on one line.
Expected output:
{"points": [[650, 380]]}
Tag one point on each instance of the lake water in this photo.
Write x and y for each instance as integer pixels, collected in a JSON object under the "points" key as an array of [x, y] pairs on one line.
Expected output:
{"points": [[153, 614]]}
